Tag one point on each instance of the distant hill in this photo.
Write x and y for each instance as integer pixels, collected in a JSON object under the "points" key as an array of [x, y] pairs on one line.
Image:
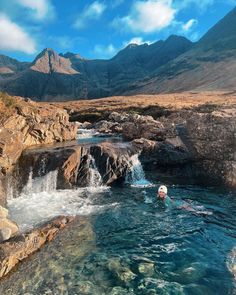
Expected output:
{"points": [[173, 65]]}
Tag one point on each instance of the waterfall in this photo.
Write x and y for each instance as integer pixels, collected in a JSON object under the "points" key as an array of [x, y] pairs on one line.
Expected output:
{"points": [[46, 183], [136, 176], [9, 189], [95, 178], [86, 133]]}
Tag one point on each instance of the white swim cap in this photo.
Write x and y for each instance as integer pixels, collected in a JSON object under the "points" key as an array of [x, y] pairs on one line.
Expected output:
{"points": [[163, 189]]}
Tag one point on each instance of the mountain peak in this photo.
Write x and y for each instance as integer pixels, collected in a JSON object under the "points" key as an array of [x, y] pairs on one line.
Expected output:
{"points": [[222, 35], [49, 61]]}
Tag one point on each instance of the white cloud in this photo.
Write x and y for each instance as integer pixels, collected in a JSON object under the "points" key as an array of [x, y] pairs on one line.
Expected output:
{"points": [[136, 40], [92, 12], [14, 38], [189, 25], [102, 51], [41, 9], [148, 16]]}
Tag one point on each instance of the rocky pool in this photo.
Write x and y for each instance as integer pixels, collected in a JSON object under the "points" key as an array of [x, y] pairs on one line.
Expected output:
{"points": [[123, 243]]}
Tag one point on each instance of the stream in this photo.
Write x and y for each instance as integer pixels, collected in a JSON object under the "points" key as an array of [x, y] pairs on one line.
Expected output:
{"points": [[124, 241]]}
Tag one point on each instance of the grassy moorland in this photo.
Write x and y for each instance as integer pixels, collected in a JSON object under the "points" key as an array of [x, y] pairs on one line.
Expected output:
{"points": [[155, 105]]}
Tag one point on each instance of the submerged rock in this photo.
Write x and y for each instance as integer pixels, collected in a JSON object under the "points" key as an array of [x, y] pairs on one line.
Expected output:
{"points": [[122, 272], [231, 262], [146, 268], [120, 291], [86, 287]]}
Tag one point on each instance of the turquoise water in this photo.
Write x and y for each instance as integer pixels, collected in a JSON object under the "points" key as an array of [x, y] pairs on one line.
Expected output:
{"points": [[138, 247]]}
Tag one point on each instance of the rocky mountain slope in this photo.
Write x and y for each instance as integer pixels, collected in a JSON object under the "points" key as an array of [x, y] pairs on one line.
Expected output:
{"points": [[175, 64], [209, 65]]}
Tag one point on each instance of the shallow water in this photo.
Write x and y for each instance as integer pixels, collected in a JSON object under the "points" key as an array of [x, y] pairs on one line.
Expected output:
{"points": [[91, 136], [128, 244]]}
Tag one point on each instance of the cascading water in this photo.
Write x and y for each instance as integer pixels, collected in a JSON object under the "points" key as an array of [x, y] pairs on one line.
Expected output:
{"points": [[46, 183], [95, 178], [136, 175], [86, 133], [40, 200]]}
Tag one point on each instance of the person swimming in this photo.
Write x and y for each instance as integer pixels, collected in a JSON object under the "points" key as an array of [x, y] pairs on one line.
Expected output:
{"points": [[179, 204], [162, 195]]}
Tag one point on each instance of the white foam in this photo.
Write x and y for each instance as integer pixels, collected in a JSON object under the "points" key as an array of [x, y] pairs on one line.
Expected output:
{"points": [[87, 133], [41, 201], [31, 209]]}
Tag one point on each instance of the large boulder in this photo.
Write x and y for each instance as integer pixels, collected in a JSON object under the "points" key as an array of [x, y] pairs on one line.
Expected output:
{"points": [[76, 166], [112, 161], [212, 138]]}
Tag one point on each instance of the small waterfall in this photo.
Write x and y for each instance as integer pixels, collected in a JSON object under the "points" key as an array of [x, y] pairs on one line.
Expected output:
{"points": [[95, 178], [86, 133], [136, 176], [46, 183], [9, 189]]}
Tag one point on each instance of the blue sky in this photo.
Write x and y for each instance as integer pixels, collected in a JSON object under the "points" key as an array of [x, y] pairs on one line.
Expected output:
{"points": [[100, 28]]}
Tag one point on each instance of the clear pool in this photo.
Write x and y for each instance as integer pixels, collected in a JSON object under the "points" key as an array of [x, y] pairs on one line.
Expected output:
{"points": [[131, 245]]}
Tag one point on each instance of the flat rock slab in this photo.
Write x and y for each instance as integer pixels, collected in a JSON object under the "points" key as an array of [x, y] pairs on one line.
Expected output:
{"points": [[20, 247]]}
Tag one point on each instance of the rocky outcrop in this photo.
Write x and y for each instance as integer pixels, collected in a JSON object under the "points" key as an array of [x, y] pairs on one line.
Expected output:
{"points": [[199, 145], [213, 140], [28, 125], [75, 164], [112, 161], [132, 126], [191, 144], [20, 247], [8, 228]]}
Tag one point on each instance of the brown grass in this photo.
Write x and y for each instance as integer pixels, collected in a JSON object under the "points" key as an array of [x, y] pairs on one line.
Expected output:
{"points": [[155, 105]]}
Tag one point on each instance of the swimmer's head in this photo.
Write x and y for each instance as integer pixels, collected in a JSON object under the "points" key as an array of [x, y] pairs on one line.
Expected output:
{"points": [[162, 191]]}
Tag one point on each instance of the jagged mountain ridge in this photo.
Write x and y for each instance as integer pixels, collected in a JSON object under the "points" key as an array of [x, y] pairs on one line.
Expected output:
{"points": [[53, 76], [173, 65], [209, 65]]}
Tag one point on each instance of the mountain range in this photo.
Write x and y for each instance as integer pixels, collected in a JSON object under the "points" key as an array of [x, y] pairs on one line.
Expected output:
{"points": [[173, 65]]}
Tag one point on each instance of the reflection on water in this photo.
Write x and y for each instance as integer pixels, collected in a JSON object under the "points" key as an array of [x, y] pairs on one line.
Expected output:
{"points": [[137, 247]]}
